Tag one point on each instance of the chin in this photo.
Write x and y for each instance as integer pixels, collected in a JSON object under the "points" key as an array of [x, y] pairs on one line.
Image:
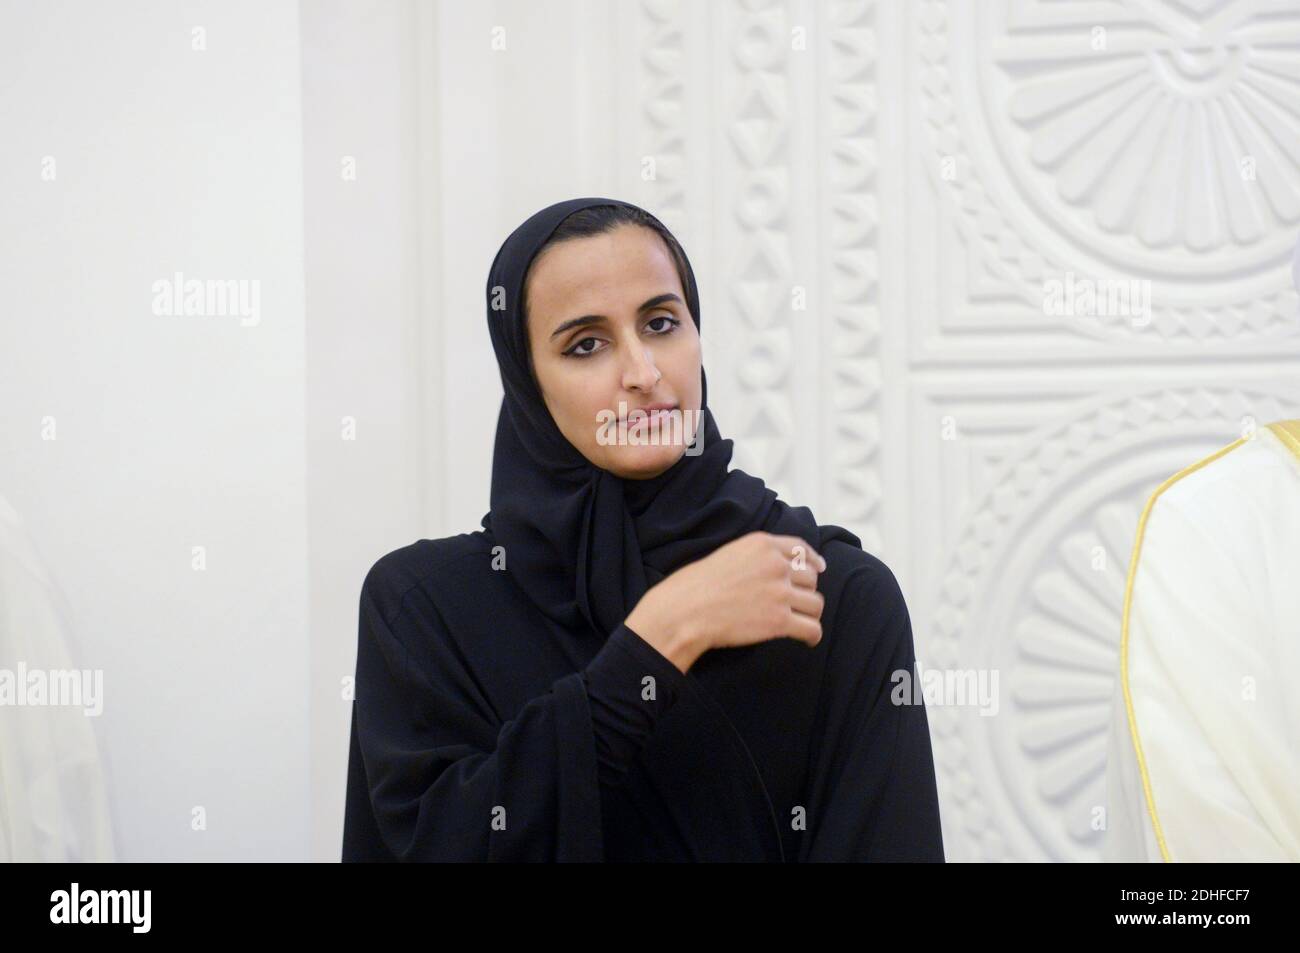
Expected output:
{"points": [[642, 463]]}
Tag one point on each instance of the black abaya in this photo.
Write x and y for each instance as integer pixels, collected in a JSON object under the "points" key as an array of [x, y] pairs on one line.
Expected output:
{"points": [[482, 730]]}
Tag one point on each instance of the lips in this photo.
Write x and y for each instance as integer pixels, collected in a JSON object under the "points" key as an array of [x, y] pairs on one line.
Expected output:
{"points": [[648, 410]]}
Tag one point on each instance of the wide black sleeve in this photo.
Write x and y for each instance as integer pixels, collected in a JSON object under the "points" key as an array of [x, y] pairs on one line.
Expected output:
{"points": [[630, 685], [872, 789], [434, 775]]}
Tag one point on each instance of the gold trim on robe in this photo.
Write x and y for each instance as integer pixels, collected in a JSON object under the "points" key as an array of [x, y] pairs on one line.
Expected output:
{"points": [[1288, 431], [1123, 641]]}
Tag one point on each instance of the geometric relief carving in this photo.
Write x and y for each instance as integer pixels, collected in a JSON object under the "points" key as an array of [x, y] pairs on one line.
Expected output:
{"points": [[767, 178], [852, 279], [968, 430], [1145, 141], [759, 267]]}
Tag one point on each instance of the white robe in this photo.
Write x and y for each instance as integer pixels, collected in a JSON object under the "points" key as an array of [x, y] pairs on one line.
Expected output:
{"points": [[53, 800], [1204, 748]]}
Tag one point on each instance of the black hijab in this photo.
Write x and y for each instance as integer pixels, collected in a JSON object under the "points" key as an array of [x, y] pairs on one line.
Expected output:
{"points": [[583, 543]]}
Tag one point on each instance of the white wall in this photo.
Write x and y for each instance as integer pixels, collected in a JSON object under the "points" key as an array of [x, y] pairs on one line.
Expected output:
{"points": [[368, 351], [170, 432]]}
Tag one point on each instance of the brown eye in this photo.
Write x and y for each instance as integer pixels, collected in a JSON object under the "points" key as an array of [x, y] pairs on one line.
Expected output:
{"points": [[576, 351]]}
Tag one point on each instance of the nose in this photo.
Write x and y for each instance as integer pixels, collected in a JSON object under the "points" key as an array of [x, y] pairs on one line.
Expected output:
{"points": [[641, 373]]}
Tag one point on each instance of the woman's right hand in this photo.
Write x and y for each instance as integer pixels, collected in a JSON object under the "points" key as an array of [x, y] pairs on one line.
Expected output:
{"points": [[757, 587]]}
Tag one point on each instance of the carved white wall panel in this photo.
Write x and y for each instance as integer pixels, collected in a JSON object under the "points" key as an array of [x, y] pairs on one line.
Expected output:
{"points": [[1155, 141]]}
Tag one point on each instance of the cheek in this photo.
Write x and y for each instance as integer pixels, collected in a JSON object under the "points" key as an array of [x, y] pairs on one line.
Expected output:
{"points": [[580, 402], [685, 365]]}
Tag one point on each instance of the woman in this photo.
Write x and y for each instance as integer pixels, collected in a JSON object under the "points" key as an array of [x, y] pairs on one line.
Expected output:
{"points": [[642, 655]]}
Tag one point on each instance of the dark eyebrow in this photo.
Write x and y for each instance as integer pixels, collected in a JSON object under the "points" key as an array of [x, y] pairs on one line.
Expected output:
{"points": [[593, 318]]}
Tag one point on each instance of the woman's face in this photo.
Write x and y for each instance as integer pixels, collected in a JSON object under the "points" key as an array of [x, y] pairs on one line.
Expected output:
{"points": [[608, 325]]}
